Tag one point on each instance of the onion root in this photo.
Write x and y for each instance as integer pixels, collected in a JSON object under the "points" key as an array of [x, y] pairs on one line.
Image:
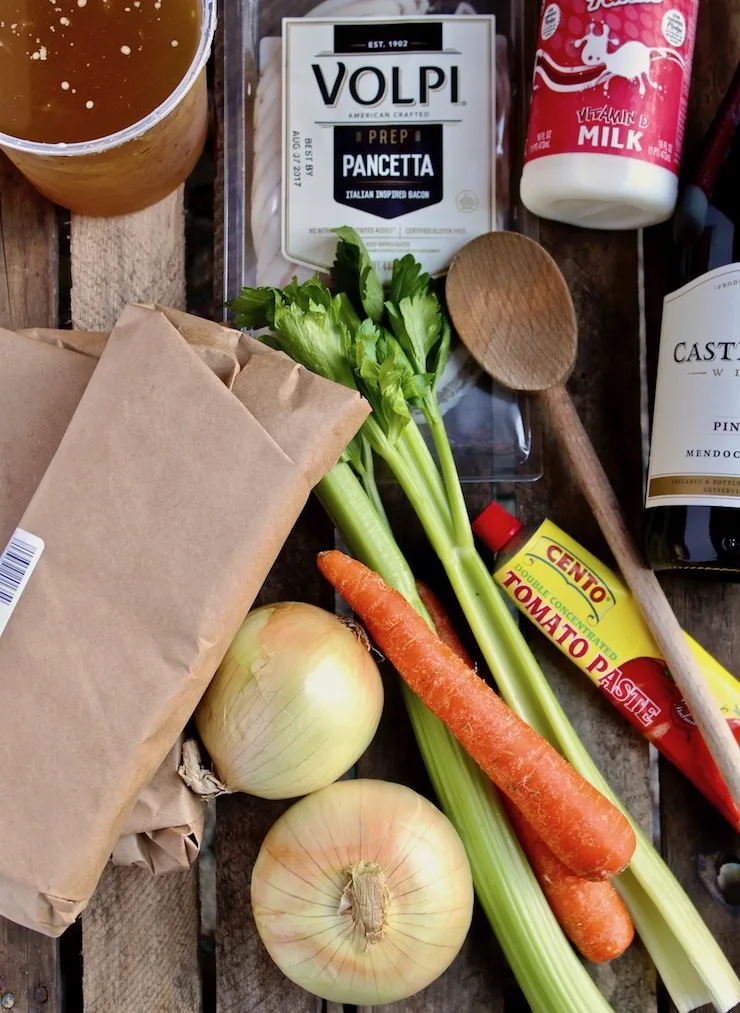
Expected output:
{"points": [[367, 898]]}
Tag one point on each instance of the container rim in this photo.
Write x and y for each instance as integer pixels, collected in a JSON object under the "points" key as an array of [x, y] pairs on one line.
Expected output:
{"points": [[99, 145]]}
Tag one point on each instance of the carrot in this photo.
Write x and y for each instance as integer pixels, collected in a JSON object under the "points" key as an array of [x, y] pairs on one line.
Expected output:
{"points": [[442, 624], [584, 830], [592, 915]]}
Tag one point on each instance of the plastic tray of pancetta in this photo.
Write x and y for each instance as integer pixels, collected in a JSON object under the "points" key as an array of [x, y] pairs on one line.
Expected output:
{"points": [[395, 117]]}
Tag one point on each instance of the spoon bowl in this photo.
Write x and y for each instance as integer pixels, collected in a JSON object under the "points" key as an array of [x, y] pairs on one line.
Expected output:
{"points": [[512, 308]]}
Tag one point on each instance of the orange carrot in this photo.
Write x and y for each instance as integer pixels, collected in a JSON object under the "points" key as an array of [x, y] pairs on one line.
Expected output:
{"points": [[584, 829], [442, 624], [592, 915]]}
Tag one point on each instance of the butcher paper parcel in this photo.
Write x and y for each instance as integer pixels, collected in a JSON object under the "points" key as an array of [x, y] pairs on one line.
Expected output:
{"points": [[146, 496]]}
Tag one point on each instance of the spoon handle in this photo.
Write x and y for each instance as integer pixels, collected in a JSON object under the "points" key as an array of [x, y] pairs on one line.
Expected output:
{"points": [[644, 586]]}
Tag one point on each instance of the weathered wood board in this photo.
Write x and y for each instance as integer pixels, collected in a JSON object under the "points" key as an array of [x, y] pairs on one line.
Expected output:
{"points": [[246, 978], [140, 933], [696, 840], [29, 280]]}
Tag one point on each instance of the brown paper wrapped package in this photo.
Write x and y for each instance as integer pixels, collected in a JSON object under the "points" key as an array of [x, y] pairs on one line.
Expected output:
{"points": [[40, 389], [164, 831], [166, 827], [162, 510]]}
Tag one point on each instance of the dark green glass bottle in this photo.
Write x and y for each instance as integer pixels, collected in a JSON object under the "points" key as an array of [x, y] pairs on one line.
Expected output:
{"points": [[704, 539]]}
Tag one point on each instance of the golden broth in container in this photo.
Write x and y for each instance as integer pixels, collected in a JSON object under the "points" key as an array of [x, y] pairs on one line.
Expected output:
{"points": [[103, 103]]}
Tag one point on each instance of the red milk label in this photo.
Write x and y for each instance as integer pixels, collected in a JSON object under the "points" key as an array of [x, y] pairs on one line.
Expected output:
{"points": [[612, 77]]}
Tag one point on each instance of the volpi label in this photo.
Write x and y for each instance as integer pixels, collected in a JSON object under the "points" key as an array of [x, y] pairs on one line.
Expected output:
{"points": [[389, 126]]}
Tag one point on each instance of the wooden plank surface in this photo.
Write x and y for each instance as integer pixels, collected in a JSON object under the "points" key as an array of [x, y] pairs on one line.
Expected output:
{"points": [[601, 270], [247, 981], [29, 266], [29, 962], [696, 840], [140, 932], [29, 970], [140, 943], [474, 980], [135, 258]]}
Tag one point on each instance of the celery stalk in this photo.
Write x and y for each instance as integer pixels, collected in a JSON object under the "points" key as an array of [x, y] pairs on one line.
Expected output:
{"points": [[548, 971], [395, 360], [688, 958]]}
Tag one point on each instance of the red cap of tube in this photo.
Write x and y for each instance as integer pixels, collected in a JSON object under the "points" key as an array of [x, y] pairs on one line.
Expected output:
{"points": [[496, 526]]}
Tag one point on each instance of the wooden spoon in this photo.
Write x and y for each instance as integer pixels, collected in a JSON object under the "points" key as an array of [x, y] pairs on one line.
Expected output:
{"points": [[512, 309]]}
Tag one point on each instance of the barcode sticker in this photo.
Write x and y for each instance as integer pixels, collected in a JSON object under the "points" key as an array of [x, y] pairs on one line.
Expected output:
{"points": [[17, 564]]}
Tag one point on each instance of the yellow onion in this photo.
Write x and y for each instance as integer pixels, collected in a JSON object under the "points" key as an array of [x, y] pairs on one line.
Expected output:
{"points": [[295, 702], [362, 892]]}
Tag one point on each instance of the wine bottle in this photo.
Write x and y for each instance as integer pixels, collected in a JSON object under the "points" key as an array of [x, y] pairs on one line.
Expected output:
{"points": [[692, 516]]}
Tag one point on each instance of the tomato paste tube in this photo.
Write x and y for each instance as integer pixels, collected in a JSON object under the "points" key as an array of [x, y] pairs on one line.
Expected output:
{"points": [[588, 613]]}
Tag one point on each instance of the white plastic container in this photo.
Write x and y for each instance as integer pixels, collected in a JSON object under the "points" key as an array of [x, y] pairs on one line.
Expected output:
{"points": [[611, 83]]}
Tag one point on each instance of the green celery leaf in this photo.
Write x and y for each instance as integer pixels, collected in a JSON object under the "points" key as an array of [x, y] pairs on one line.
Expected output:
{"points": [[394, 410], [365, 346], [414, 385], [417, 387], [317, 338], [398, 327], [389, 346], [417, 324], [312, 292], [255, 308], [422, 317], [345, 312], [443, 350], [381, 380], [353, 273], [407, 279]]}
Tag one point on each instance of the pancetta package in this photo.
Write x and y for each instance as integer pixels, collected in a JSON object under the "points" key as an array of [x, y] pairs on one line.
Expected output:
{"points": [[394, 117]]}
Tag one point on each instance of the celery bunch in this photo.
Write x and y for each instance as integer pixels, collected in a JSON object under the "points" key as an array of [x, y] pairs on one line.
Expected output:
{"points": [[393, 350]]}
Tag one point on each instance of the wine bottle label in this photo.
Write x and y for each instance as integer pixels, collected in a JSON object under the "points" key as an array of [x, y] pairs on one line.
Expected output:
{"points": [[388, 126], [695, 446]]}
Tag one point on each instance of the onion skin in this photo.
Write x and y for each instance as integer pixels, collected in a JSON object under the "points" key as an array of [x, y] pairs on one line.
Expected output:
{"points": [[293, 705], [340, 936]]}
